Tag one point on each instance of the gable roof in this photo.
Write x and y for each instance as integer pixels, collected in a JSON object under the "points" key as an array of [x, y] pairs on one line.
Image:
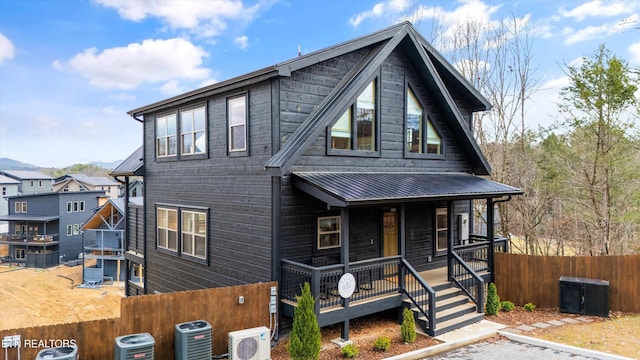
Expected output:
{"points": [[96, 220], [89, 180], [8, 180], [432, 68]]}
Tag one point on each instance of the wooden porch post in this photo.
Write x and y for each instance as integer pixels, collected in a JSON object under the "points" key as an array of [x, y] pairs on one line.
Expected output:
{"points": [[344, 257], [449, 240], [490, 237]]}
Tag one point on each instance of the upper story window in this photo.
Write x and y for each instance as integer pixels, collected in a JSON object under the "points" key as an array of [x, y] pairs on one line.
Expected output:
{"points": [[166, 138], [237, 123], [422, 137], [328, 232], [193, 131], [40, 183], [357, 128], [4, 190], [31, 183], [167, 229]]}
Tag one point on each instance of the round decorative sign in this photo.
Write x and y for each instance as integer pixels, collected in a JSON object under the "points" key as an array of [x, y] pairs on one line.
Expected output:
{"points": [[346, 285]]}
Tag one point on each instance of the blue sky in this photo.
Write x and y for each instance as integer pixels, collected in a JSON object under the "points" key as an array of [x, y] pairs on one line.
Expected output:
{"points": [[71, 69]]}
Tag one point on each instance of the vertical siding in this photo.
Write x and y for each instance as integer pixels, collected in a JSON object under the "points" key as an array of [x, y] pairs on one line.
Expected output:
{"points": [[234, 189]]}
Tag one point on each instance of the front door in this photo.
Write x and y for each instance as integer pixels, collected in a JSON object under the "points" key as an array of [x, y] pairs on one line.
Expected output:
{"points": [[390, 232]]}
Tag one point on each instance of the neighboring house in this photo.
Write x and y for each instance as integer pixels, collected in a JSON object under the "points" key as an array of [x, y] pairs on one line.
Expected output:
{"points": [[8, 187], [31, 182], [354, 166], [103, 236], [136, 188], [45, 228], [135, 264], [82, 182]]}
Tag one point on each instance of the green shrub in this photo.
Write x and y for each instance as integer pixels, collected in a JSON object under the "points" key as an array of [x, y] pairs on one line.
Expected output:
{"points": [[408, 327], [493, 300], [506, 306], [529, 307], [382, 343], [305, 340], [350, 351]]}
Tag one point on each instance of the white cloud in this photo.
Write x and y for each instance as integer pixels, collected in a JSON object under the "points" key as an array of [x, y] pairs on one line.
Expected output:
{"points": [[7, 49], [602, 31], [375, 12], [596, 8], [153, 61], [242, 41], [171, 88], [634, 49], [205, 18]]}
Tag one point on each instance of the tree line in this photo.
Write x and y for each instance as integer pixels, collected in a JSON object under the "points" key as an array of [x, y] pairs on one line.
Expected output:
{"points": [[580, 176]]}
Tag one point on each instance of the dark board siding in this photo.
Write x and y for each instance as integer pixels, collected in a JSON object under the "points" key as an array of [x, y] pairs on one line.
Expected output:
{"points": [[136, 229], [236, 192]]}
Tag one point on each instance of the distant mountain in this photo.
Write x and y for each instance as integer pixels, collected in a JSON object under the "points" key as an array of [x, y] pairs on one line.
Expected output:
{"points": [[107, 165], [10, 164]]}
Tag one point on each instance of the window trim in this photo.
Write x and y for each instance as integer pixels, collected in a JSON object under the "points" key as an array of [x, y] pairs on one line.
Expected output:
{"points": [[194, 234], [192, 109], [166, 116], [168, 229], [427, 119], [24, 207], [17, 208], [337, 231], [239, 151], [440, 211], [180, 209], [352, 108]]}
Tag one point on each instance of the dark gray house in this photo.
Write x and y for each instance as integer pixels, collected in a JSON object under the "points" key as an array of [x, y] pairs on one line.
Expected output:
{"points": [[352, 168], [46, 228]]}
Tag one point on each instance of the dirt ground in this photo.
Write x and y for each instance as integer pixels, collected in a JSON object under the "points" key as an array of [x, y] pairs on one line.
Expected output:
{"points": [[34, 297]]}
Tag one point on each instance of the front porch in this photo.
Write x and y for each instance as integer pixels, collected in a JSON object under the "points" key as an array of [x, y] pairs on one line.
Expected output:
{"points": [[443, 298]]}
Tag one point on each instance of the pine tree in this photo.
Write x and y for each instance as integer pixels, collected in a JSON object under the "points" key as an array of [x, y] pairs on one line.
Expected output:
{"points": [[305, 338], [493, 300], [408, 327]]}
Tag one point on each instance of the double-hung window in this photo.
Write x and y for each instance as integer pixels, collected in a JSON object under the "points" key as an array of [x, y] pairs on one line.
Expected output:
{"points": [[20, 207], [237, 123], [167, 229], [357, 127], [328, 232], [421, 136], [193, 131], [194, 233], [166, 136]]}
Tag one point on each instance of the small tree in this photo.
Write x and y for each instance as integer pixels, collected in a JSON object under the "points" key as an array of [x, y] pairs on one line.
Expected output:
{"points": [[305, 340], [408, 327], [493, 300]]}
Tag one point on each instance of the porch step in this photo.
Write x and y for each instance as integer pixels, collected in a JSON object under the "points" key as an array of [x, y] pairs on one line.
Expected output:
{"points": [[453, 310]]}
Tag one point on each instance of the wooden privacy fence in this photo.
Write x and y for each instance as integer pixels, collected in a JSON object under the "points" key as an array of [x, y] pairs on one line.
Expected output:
{"points": [[536, 279], [157, 315]]}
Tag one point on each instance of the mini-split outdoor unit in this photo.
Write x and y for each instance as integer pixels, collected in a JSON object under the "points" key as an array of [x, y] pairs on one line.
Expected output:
{"points": [[135, 346], [193, 340], [250, 344], [59, 353]]}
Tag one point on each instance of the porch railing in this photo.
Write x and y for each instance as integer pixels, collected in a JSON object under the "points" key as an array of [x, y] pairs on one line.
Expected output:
{"points": [[374, 277], [468, 280], [420, 293]]}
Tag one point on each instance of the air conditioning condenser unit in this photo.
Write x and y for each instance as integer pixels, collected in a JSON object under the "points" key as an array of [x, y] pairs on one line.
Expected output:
{"points": [[59, 353], [193, 340], [135, 346], [250, 344]]}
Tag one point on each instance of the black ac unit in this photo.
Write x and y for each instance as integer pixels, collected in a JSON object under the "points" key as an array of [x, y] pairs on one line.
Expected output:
{"points": [[584, 296], [193, 341]]}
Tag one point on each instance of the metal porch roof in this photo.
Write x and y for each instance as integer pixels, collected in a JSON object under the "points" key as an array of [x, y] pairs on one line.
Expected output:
{"points": [[342, 189], [27, 217]]}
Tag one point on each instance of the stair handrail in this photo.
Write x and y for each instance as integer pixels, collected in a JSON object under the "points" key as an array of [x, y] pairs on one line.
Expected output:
{"points": [[430, 312], [479, 301]]}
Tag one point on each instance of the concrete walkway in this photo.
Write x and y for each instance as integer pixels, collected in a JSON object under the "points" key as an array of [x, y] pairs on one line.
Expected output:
{"points": [[469, 343]]}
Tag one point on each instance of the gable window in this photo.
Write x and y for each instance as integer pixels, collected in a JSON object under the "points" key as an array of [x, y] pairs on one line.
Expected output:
{"points": [[357, 127], [441, 229], [193, 131], [166, 138], [194, 233], [422, 137], [167, 229], [328, 232], [237, 123]]}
